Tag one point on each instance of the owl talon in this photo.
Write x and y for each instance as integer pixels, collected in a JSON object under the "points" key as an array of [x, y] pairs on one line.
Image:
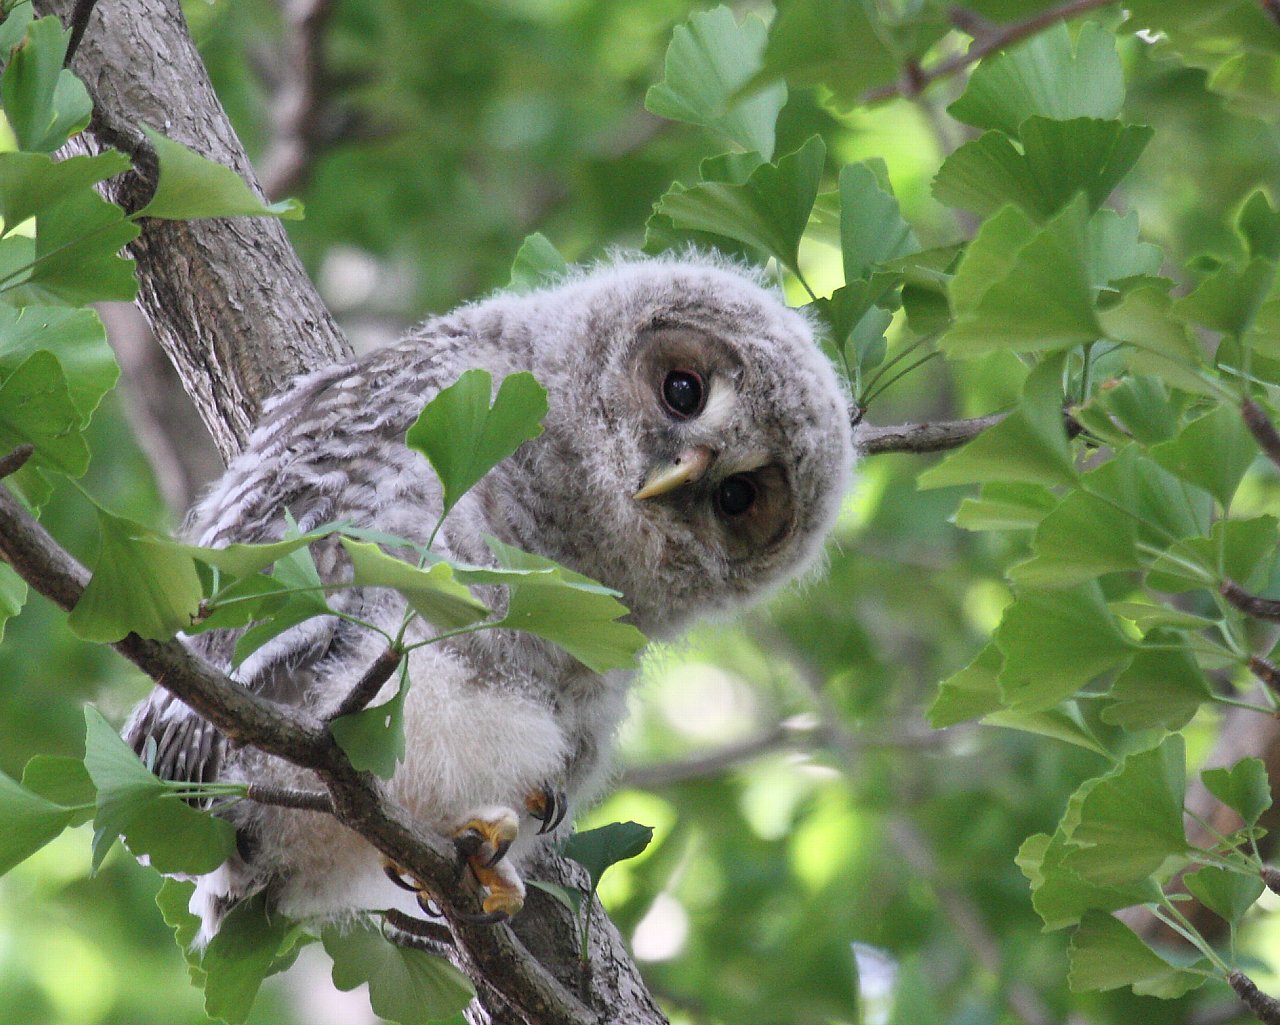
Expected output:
{"points": [[401, 878], [548, 805]]}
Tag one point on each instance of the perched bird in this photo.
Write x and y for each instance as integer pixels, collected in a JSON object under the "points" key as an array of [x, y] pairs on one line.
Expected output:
{"points": [[694, 456]]}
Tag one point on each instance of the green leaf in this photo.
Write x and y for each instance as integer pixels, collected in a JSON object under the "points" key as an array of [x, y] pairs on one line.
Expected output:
{"points": [[1029, 445], [75, 337], [1244, 787], [1054, 642], [1159, 689], [464, 437], [537, 262], [1227, 894], [30, 822], [192, 186], [1056, 161], [836, 45], [1240, 550], [174, 901], [569, 610], [1229, 300], [43, 103], [373, 738], [1160, 345], [13, 27], [1005, 506], [1259, 226], [768, 212], [1143, 406], [597, 849], [243, 560], [133, 802], [708, 63], [297, 608], [1107, 954], [1059, 896], [872, 228], [566, 895], [1044, 77], [970, 693], [75, 259], [36, 409], [406, 985], [13, 595], [1052, 268], [433, 593], [1130, 822], [1213, 452], [64, 781], [1063, 723], [141, 584], [33, 182], [239, 957], [1148, 616]]}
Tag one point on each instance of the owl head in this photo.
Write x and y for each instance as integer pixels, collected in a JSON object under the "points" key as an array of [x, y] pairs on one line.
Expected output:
{"points": [[698, 443]]}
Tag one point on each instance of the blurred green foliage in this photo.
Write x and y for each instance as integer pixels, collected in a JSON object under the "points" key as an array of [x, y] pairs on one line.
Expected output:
{"points": [[462, 127]]}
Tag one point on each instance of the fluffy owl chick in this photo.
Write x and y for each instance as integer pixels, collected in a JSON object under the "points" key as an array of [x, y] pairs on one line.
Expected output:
{"points": [[694, 456]]}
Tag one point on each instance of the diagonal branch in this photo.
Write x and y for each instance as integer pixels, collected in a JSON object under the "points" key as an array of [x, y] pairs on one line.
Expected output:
{"points": [[930, 436], [988, 38], [357, 799]]}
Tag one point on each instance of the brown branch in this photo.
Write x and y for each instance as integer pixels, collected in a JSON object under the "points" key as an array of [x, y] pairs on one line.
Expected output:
{"points": [[79, 22], [1262, 429], [988, 39], [930, 436], [300, 113], [15, 460], [1265, 671], [367, 687], [1250, 604], [284, 797], [1271, 878], [289, 733], [1266, 1009]]}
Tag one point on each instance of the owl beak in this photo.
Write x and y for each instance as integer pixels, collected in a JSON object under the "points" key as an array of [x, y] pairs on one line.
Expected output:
{"points": [[686, 468]]}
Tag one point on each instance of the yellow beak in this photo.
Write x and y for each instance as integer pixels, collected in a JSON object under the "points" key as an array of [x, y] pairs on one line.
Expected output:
{"points": [[686, 468]]}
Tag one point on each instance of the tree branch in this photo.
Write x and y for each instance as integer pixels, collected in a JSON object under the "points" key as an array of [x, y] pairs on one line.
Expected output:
{"points": [[237, 328], [1262, 429], [1250, 604], [367, 687], [1266, 1009], [987, 39], [930, 436]]}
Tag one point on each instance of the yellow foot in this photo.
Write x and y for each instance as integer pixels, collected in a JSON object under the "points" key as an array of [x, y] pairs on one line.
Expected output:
{"points": [[483, 841]]}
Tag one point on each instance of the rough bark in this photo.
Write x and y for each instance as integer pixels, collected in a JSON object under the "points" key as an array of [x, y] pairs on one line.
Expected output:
{"points": [[233, 308], [228, 300]]}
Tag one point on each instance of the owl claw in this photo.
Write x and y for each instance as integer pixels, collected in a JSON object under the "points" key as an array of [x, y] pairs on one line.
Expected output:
{"points": [[548, 805], [398, 876]]}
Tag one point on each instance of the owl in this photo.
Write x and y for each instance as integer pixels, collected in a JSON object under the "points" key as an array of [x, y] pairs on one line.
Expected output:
{"points": [[694, 455]]}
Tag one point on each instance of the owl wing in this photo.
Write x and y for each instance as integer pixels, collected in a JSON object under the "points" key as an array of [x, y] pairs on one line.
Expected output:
{"points": [[319, 454]]}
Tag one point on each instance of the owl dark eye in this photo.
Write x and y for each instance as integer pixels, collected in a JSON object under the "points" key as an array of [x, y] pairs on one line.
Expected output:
{"points": [[683, 393], [736, 495]]}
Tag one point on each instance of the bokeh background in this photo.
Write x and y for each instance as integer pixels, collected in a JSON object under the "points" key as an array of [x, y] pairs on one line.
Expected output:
{"points": [[815, 839]]}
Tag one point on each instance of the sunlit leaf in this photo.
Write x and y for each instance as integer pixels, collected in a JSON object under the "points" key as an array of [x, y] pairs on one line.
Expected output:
{"points": [[192, 186], [597, 849], [872, 228], [30, 822], [1107, 954], [406, 986], [464, 437], [1043, 76], [708, 63]]}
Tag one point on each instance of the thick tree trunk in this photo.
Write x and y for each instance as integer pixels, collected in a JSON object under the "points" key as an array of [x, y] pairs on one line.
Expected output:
{"points": [[234, 310]]}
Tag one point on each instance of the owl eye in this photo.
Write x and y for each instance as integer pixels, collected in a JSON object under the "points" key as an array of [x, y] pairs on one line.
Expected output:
{"points": [[683, 393], [736, 495]]}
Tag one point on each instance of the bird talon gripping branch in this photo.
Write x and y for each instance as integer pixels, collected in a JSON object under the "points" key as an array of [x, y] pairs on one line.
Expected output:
{"points": [[548, 804]]}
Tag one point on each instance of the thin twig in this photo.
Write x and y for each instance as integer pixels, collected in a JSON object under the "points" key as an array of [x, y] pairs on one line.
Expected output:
{"points": [[16, 460], [285, 797], [915, 78], [79, 22], [1265, 1008], [301, 105], [367, 687], [1262, 429], [935, 436], [1250, 604], [1271, 877], [1265, 671]]}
